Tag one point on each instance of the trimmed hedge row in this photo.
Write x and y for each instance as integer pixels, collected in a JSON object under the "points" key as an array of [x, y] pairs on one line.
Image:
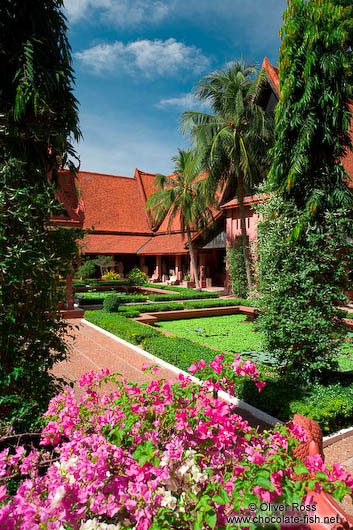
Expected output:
{"points": [[174, 306], [185, 294], [121, 326], [178, 351], [98, 298]]}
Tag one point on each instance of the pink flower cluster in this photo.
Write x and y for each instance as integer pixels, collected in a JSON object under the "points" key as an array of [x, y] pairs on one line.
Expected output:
{"points": [[222, 374], [154, 453]]}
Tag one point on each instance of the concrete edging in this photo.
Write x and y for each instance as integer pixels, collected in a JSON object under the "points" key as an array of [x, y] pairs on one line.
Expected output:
{"points": [[337, 436], [257, 413]]}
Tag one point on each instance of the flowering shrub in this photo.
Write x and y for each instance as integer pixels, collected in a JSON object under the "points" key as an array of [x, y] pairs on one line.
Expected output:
{"points": [[110, 275], [165, 455]]}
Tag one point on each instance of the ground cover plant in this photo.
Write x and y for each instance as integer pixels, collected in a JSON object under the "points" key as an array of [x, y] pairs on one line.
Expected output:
{"points": [[222, 332], [154, 456]]}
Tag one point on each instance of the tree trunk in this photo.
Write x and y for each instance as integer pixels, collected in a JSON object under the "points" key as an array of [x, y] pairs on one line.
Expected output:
{"points": [[244, 242], [192, 257]]}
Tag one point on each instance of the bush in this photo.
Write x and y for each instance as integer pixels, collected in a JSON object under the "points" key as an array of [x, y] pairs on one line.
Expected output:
{"points": [[121, 326], [111, 303], [137, 277], [86, 270], [183, 294], [331, 406], [237, 272], [110, 275]]}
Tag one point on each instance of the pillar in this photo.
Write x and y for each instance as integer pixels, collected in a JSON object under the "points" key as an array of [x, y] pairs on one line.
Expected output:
{"points": [[158, 269], [178, 271]]}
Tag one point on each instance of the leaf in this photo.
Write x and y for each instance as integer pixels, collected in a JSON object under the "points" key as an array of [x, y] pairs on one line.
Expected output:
{"points": [[301, 469], [211, 518]]}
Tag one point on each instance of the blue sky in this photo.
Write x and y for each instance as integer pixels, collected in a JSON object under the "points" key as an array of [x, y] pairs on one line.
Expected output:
{"points": [[136, 62]]}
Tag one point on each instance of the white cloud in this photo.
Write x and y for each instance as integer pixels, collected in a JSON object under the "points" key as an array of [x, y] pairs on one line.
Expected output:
{"points": [[184, 102], [118, 12], [151, 58]]}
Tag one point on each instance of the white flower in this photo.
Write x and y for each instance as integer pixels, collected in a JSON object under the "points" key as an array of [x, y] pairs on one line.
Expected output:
{"points": [[59, 495], [168, 500]]}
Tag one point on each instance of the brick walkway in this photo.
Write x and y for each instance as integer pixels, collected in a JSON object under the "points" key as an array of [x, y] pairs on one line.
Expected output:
{"points": [[92, 350]]}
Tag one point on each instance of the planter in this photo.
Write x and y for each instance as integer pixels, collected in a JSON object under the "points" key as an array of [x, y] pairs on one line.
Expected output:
{"points": [[187, 284]]}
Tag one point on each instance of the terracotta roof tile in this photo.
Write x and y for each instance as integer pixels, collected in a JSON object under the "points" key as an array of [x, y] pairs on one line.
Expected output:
{"points": [[113, 244], [113, 203], [67, 195], [165, 244], [272, 74]]}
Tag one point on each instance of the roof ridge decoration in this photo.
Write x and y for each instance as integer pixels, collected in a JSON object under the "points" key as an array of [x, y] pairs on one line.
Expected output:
{"points": [[272, 75]]}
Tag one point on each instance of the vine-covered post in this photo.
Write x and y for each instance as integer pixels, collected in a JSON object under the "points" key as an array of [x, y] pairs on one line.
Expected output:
{"points": [[305, 236]]}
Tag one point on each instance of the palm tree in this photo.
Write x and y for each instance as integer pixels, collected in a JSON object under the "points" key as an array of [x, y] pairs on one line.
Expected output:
{"points": [[233, 141], [182, 195]]}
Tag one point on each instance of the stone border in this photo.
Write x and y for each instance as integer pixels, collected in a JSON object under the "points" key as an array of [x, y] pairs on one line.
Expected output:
{"points": [[337, 436], [257, 413]]}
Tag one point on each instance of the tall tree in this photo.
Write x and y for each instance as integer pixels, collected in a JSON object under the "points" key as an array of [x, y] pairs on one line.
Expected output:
{"points": [[38, 114], [183, 197], [235, 139], [304, 239]]}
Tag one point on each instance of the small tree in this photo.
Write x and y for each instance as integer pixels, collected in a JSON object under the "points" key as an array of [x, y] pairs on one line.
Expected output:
{"points": [[104, 263], [237, 272], [307, 223], [86, 270]]}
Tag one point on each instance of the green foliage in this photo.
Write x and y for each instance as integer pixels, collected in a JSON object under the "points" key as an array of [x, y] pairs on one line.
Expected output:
{"points": [[184, 294], [228, 332], [120, 326], [304, 239], [237, 272], [199, 304], [137, 277], [111, 303], [301, 286], [331, 406], [104, 263], [178, 351], [86, 270], [110, 275], [98, 297], [147, 308], [38, 115]]}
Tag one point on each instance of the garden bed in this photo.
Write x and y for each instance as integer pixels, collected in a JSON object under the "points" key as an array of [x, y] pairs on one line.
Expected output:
{"points": [[331, 406]]}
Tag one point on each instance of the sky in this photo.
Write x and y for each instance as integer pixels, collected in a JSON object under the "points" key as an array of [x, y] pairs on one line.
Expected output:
{"points": [[136, 63]]}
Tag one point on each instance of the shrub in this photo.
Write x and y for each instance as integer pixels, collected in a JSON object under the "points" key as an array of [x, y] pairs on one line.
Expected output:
{"points": [[86, 270], [237, 272], [111, 303], [331, 406], [147, 308], [137, 277], [110, 275], [121, 326]]}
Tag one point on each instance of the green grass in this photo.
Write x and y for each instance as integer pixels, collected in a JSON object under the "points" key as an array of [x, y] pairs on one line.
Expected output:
{"points": [[225, 333]]}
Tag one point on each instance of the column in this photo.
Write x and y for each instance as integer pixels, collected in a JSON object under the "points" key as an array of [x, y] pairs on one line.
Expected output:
{"points": [[178, 271], [192, 274]]}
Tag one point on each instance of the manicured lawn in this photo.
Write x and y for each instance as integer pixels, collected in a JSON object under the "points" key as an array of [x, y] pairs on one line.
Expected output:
{"points": [[230, 333]]}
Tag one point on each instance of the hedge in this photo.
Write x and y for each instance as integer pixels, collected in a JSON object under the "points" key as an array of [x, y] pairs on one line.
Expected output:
{"points": [[148, 308], [199, 304], [184, 294], [330, 406], [98, 298], [121, 326], [178, 351]]}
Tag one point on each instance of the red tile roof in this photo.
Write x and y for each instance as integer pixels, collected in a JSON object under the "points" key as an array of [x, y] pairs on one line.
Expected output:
{"points": [[272, 74], [68, 196], [165, 244], [113, 244], [113, 203], [249, 199]]}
